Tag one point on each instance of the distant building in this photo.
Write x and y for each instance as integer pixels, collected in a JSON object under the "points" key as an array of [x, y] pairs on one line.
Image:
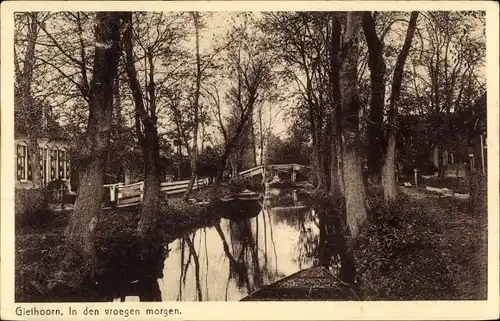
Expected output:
{"points": [[478, 154], [53, 162], [35, 131]]}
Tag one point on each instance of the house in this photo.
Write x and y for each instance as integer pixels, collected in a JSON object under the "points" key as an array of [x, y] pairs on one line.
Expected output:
{"points": [[36, 131], [477, 153], [53, 162]]}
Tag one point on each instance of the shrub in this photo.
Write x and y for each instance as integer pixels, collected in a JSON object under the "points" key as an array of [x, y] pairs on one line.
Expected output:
{"points": [[57, 272], [321, 199], [392, 253], [30, 209], [478, 187], [239, 184]]}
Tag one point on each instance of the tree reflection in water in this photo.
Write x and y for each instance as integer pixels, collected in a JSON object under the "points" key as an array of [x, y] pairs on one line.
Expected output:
{"points": [[333, 251], [244, 253], [244, 249], [194, 255], [327, 248], [251, 243]]}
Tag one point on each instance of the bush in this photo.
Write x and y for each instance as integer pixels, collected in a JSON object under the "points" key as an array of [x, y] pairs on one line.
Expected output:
{"points": [[478, 186], [425, 167], [321, 199], [30, 209], [392, 254], [237, 185], [48, 269]]}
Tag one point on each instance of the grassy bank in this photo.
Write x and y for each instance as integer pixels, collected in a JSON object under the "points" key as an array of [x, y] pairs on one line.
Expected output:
{"points": [[424, 248], [50, 270]]}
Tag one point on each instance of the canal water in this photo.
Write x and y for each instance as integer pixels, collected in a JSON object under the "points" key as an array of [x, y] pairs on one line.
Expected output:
{"points": [[257, 244]]}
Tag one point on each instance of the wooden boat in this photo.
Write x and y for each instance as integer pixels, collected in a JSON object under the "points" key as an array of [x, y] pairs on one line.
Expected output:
{"points": [[237, 210], [248, 195], [312, 284], [245, 195]]}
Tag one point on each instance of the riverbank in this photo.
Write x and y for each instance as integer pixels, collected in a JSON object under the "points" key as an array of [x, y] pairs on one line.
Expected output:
{"points": [[47, 269], [424, 248]]}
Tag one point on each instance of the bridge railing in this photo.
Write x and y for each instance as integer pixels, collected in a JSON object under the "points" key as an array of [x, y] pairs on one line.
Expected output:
{"points": [[119, 194], [123, 195], [171, 188], [252, 171], [259, 169]]}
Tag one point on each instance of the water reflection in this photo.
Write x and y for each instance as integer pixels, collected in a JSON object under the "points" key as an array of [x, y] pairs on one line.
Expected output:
{"points": [[238, 256], [256, 245]]}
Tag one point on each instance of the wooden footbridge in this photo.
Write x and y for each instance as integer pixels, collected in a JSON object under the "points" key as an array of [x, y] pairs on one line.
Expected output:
{"points": [[271, 170], [123, 195]]}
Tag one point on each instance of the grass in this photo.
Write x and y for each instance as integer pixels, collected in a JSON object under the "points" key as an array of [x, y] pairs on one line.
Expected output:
{"points": [[457, 185], [460, 185], [423, 248], [48, 269], [420, 248]]}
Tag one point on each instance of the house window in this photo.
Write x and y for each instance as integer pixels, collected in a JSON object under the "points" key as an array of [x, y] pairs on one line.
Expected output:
{"points": [[67, 167], [29, 166], [42, 153], [22, 161], [53, 164], [62, 164]]}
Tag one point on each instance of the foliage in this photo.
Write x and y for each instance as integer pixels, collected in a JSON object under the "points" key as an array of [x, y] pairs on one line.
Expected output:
{"points": [[288, 151], [30, 208], [209, 162], [323, 200], [478, 187], [237, 185], [50, 269], [397, 253]]}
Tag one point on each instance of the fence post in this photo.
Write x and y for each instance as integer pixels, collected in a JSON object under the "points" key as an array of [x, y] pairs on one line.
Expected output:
{"points": [[416, 177], [112, 196], [118, 196], [61, 194], [142, 190]]}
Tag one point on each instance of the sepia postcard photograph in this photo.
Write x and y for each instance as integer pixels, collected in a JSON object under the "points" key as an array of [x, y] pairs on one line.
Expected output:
{"points": [[261, 157]]}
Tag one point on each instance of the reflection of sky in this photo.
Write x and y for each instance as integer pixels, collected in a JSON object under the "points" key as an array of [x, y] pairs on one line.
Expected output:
{"points": [[215, 281]]}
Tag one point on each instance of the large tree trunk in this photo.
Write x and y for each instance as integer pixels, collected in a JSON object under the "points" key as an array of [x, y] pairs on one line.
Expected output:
{"points": [[353, 178], [443, 164], [149, 139], [336, 176], [319, 164], [377, 72], [388, 170], [87, 206], [335, 187], [254, 145], [435, 156], [152, 184], [88, 202], [118, 121], [152, 171], [223, 164], [194, 150]]}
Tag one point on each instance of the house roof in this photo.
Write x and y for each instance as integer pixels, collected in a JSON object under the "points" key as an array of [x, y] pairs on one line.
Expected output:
{"points": [[36, 121]]}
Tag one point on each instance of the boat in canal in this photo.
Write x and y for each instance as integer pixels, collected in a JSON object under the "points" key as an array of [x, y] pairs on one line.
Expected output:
{"points": [[311, 284]]}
